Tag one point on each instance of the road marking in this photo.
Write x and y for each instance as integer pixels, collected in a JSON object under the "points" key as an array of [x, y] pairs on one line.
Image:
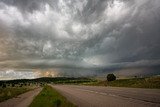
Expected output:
{"points": [[113, 95], [101, 93]]}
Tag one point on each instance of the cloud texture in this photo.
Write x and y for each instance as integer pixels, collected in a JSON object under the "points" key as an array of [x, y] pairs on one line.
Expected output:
{"points": [[79, 37]]}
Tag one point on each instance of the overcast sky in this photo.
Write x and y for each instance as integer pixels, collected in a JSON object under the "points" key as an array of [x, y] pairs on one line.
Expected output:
{"points": [[78, 37]]}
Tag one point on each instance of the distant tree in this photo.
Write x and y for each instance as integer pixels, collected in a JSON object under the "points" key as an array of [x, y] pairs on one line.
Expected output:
{"points": [[1, 84], [13, 84], [8, 84], [4, 85], [111, 77], [21, 85]]}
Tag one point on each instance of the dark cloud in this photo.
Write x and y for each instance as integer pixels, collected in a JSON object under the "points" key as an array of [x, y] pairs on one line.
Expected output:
{"points": [[25, 5], [79, 35]]}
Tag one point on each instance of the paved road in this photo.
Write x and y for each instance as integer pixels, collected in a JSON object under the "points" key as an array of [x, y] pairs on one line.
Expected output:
{"points": [[22, 100], [93, 96]]}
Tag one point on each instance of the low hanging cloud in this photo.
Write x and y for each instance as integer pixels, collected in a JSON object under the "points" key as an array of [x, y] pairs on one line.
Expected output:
{"points": [[11, 74], [79, 37]]}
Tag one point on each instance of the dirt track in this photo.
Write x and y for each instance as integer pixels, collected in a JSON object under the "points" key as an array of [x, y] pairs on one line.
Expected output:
{"points": [[22, 100]]}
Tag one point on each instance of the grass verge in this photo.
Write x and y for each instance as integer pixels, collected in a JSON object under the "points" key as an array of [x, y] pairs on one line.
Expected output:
{"points": [[151, 82], [49, 97], [7, 93]]}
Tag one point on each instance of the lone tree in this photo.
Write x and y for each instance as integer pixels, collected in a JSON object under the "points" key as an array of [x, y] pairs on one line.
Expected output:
{"points": [[13, 84], [4, 85], [111, 77]]}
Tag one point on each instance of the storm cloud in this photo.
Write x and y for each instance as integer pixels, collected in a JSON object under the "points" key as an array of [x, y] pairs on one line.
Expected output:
{"points": [[79, 37]]}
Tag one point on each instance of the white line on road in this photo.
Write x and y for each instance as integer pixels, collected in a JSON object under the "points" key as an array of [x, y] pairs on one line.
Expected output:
{"points": [[113, 95]]}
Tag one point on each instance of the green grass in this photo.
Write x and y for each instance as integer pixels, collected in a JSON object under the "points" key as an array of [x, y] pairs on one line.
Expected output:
{"points": [[49, 97], [7, 93], [151, 82]]}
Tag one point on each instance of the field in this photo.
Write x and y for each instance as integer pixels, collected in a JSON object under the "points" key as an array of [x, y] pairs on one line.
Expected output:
{"points": [[12, 88], [10, 92], [49, 97], [45, 80], [150, 82]]}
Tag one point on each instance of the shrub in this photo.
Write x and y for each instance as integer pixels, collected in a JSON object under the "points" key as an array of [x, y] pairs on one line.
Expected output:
{"points": [[111, 77], [13, 84], [57, 102], [1, 84], [4, 86]]}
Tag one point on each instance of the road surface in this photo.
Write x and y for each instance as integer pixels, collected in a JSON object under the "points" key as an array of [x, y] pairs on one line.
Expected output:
{"points": [[93, 96], [22, 100]]}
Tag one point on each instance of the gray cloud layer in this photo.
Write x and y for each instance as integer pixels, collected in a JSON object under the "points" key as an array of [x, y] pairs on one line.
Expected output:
{"points": [[79, 34]]}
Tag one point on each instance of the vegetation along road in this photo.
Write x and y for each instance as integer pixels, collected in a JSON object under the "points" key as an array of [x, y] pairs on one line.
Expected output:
{"points": [[22, 100], [49, 97], [93, 96]]}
